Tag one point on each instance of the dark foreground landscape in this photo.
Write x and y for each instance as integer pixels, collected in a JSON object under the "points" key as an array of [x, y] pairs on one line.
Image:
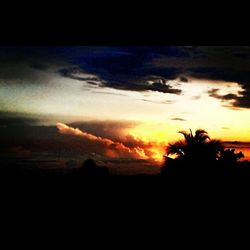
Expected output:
{"points": [[197, 158], [179, 205]]}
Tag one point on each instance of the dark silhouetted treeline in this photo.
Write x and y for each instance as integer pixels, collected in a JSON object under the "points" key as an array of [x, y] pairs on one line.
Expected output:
{"points": [[199, 156]]}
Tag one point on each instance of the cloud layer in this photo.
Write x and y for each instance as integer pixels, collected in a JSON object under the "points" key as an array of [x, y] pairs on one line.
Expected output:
{"points": [[136, 68], [151, 68], [131, 147]]}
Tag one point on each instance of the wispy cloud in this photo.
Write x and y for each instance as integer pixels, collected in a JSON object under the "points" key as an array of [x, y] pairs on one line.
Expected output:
{"points": [[107, 93], [159, 102], [178, 119]]}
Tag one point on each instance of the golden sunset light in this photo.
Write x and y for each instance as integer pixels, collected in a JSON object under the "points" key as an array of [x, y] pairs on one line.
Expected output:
{"points": [[122, 104]]}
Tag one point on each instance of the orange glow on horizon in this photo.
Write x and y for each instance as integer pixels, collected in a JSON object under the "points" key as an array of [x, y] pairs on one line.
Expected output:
{"points": [[152, 151]]}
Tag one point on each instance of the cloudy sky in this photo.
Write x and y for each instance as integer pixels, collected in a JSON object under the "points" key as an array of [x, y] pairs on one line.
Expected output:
{"points": [[120, 105]]}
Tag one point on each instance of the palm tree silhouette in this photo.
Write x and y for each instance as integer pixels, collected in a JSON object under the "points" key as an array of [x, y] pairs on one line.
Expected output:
{"points": [[199, 155], [196, 148]]}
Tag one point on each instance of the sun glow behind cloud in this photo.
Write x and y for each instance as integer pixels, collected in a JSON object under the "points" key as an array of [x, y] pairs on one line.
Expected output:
{"points": [[140, 150], [196, 109], [161, 115]]}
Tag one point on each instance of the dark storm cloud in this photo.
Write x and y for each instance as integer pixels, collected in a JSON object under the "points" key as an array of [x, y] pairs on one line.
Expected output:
{"points": [[161, 85], [183, 79], [227, 97], [134, 68], [216, 63], [127, 68], [77, 74], [125, 82], [131, 67]]}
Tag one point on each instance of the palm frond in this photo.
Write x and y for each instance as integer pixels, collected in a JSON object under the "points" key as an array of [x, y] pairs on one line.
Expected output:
{"points": [[196, 146], [176, 148], [191, 133], [185, 134]]}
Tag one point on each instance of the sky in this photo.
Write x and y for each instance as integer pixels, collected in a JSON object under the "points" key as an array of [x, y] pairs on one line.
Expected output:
{"points": [[120, 105]]}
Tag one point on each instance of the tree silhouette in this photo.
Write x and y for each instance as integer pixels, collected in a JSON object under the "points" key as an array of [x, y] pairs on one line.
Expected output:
{"points": [[196, 148], [230, 157], [199, 155], [90, 168]]}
